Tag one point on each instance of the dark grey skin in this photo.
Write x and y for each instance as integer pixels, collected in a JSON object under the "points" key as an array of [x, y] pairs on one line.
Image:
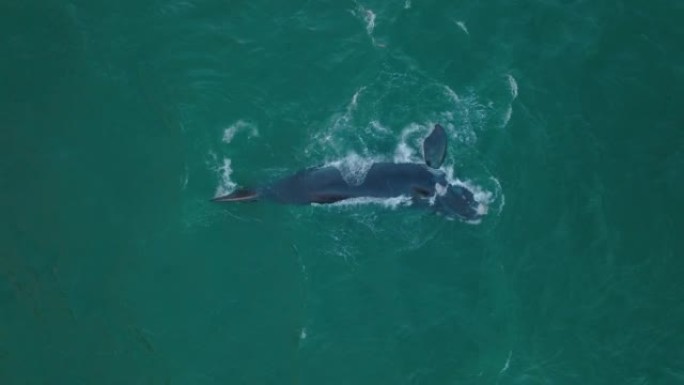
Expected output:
{"points": [[424, 183]]}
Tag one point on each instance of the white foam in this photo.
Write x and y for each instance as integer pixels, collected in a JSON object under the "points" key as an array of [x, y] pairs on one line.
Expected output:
{"points": [[377, 126], [368, 17], [352, 104], [481, 196], [226, 185], [462, 26], [391, 203], [479, 193], [342, 120], [507, 363], [410, 130], [499, 193], [405, 152], [353, 168], [407, 4], [240, 125], [440, 189], [513, 84]]}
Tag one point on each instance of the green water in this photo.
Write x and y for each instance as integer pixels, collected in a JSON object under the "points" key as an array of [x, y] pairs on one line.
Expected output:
{"points": [[115, 269]]}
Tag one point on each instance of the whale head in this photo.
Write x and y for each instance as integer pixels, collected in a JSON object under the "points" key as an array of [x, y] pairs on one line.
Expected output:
{"points": [[458, 201]]}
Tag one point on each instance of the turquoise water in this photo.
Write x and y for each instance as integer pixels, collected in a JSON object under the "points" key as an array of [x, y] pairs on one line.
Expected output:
{"points": [[120, 120]]}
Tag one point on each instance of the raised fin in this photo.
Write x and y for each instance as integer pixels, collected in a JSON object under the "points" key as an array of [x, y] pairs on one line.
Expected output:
{"points": [[240, 195], [435, 146]]}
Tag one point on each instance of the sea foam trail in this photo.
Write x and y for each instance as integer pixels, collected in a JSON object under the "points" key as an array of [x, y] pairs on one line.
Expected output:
{"points": [[239, 126], [224, 171]]}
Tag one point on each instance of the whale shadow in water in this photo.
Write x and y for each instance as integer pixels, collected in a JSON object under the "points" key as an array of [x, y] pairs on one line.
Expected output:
{"points": [[424, 183]]}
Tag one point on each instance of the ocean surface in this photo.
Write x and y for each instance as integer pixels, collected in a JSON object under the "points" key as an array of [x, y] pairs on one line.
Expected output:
{"points": [[119, 120]]}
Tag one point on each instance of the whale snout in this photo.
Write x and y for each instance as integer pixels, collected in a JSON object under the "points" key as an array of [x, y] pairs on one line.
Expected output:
{"points": [[459, 201]]}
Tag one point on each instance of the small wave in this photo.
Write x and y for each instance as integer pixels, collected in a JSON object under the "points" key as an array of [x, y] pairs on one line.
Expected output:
{"points": [[513, 84], [241, 125]]}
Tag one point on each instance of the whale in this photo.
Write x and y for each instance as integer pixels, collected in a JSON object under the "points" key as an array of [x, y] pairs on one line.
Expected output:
{"points": [[425, 184]]}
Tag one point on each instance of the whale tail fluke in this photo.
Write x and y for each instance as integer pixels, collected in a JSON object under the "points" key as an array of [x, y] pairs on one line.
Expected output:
{"points": [[239, 195]]}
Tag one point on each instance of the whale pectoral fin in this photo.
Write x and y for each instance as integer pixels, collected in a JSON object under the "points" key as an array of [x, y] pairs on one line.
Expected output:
{"points": [[435, 146], [240, 195], [328, 198]]}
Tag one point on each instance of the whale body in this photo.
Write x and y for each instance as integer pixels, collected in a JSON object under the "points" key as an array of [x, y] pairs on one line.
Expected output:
{"points": [[424, 183]]}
